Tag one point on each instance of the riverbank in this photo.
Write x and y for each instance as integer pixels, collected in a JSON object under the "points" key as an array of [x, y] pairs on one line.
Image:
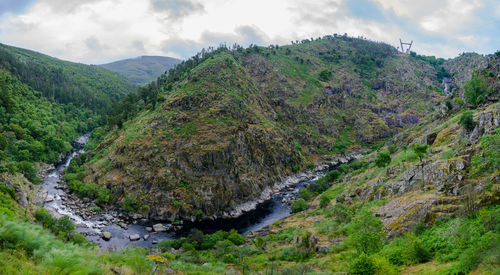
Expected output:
{"points": [[114, 229]]}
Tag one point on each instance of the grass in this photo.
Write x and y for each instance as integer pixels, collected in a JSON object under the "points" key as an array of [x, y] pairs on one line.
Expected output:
{"points": [[38, 251]]}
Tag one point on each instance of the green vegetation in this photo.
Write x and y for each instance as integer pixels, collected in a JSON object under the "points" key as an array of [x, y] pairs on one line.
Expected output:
{"points": [[489, 159], [467, 121], [475, 90], [299, 205], [65, 82], [383, 159], [29, 248], [325, 75]]}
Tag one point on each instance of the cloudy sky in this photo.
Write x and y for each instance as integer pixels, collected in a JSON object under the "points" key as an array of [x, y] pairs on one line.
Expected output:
{"points": [[100, 31]]}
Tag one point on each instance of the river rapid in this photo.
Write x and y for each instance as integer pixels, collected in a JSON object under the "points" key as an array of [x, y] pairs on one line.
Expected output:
{"points": [[267, 212]]}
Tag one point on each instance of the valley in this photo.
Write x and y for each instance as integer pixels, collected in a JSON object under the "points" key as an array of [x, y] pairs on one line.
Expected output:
{"points": [[330, 155]]}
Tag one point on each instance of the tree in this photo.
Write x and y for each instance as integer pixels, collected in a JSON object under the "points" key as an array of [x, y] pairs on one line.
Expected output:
{"points": [[383, 159], [467, 121], [299, 205], [367, 232], [475, 90]]}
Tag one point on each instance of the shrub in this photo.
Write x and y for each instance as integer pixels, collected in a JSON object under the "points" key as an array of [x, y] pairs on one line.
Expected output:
{"points": [[130, 203], [29, 172], [196, 235], [414, 252], [210, 240], [467, 121], [362, 265], [305, 194], [475, 90], [367, 232], [324, 200], [299, 205], [325, 75], [103, 195], [383, 159], [78, 239], [392, 148], [489, 160], [235, 237], [224, 247], [342, 213]]}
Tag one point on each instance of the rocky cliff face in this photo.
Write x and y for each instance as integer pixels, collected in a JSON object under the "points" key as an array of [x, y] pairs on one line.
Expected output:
{"points": [[242, 121], [462, 67], [459, 173]]}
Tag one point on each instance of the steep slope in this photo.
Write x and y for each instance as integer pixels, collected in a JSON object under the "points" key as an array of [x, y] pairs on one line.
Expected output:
{"points": [[37, 128], [232, 123], [462, 67], [387, 215], [65, 82], [143, 69]]}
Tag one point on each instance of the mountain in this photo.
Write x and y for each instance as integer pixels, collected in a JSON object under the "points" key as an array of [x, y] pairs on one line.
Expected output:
{"points": [[63, 81], [144, 69], [45, 103], [230, 124]]}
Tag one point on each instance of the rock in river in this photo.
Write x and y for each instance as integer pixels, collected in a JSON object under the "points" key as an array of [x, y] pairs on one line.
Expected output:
{"points": [[159, 227], [134, 237], [106, 236]]}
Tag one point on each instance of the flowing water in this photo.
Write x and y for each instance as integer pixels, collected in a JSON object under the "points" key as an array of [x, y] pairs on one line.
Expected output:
{"points": [[273, 209]]}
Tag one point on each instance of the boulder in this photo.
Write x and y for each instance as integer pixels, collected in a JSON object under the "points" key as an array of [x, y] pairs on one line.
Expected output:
{"points": [[106, 236], [159, 227], [134, 237]]}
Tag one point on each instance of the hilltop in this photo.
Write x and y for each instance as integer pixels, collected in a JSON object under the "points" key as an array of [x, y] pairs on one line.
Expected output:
{"points": [[143, 69]]}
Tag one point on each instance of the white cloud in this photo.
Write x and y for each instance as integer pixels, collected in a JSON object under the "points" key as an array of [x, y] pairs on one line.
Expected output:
{"points": [[97, 31]]}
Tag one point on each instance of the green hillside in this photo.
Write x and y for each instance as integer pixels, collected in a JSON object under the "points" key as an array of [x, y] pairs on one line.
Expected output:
{"points": [[225, 125], [143, 69], [65, 82], [426, 202]]}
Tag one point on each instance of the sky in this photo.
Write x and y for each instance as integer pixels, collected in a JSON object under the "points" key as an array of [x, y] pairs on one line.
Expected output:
{"points": [[101, 31]]}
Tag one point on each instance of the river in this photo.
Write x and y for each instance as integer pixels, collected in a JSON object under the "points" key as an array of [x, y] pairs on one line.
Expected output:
{"points": [[266, 213]]}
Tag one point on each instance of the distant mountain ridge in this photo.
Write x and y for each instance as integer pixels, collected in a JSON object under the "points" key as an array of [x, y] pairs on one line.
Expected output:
{"points": [[143, 69]]}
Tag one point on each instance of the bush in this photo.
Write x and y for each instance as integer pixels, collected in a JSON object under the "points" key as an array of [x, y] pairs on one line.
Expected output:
{"points": [[467, 121], [61, 227], [383, 159], [324, 200], [29, 172], [325, 75], [362, 265], [130, 203], [305, 194], [196, 236], [210, 240], [475, 90], [235, 237], [414, 252], [342, 213], [103, 195], [299, 205], [392, 148], [78, 239], [224, 247], [366, 232]]}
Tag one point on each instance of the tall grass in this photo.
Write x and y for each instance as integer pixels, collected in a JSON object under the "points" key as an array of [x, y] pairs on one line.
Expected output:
{"points": [[43, 251]]}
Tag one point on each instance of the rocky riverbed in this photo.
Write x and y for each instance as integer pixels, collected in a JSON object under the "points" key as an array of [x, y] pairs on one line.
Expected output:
{"points": [[113, 229]]}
